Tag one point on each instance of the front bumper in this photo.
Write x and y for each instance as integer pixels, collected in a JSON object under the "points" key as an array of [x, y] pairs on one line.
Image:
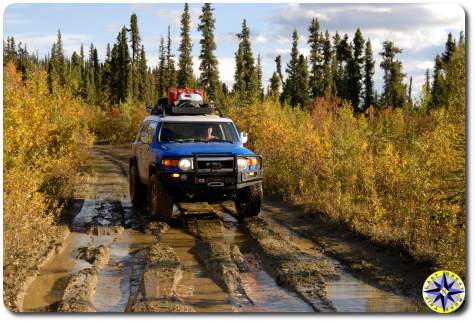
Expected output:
{"points": [[209, 185]]}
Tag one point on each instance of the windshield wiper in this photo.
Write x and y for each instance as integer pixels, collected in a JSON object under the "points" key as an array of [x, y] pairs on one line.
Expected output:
{"points": [[219, 140]]}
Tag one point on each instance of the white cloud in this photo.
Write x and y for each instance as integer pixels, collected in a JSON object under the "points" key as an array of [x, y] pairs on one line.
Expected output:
{"points": [[43, 42], [260, 39]]}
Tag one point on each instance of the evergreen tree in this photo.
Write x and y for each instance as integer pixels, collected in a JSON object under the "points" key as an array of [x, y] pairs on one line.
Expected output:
{"points": [[274, 86], [438, 91], [450, 47], [409, 93], [245, 77], [56, 66], [142, 80], [120, 68], [135, 59], [171, 72], [301, 95], [161, 76], [394, 90], [259, 77], [209, 76], [22, 61], [9, 51], [329, 66], [369, 63], [355, 75], [185, 76], [106, 74], [278, 63], [343, 56], [289, 93], [316, 59]]}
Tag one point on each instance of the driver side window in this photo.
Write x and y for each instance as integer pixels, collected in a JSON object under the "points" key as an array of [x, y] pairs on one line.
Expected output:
{"points": [[151, 132], [143, 133]]}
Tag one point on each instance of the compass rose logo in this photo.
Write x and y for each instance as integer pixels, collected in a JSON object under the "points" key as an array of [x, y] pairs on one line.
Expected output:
{"points": [[443, 291]]}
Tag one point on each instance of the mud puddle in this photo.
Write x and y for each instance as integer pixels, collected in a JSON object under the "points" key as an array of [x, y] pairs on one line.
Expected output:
{"points": [[47, 288], [349, 294], [196, 288], [114, 281], [249, 288]]}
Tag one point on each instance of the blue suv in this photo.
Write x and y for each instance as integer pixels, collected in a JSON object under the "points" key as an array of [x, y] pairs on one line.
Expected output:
{"points": [[185, 153]]}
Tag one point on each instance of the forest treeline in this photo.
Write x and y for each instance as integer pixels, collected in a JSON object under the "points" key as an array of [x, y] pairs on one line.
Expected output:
{"points": [[388, 167], [337, 66]]}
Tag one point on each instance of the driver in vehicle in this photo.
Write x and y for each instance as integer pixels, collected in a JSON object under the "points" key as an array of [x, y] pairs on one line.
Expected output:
{"points": [[207, 134]]}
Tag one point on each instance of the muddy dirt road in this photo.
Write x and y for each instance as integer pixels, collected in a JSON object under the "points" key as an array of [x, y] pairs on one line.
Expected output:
{"points": [[117, 259]]}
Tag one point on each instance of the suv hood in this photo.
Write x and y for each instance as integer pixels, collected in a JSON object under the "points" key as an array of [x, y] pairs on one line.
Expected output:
{"points": [[188, 149]]}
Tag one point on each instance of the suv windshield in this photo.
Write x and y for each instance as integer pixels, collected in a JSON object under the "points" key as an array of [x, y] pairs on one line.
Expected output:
{"points": [[198, 132]]}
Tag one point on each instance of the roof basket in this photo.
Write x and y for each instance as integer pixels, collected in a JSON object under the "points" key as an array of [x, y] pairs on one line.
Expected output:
{"points": [[191, 109]]}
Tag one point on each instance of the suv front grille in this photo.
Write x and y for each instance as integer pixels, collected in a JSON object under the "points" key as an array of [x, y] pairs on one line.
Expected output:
{"points": [[214, 164]]}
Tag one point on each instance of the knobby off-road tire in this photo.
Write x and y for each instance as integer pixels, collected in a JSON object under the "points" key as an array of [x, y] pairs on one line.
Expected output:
{"points": [[249, 200], [160, 205], [138, 191]]}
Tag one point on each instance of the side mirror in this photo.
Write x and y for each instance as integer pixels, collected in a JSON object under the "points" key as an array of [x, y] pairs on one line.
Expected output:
{"points": [[148, 109], [243, 137]]}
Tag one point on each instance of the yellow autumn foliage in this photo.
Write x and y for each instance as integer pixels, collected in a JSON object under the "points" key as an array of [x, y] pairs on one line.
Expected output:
{"points": [[394, 176], [45, 137]]}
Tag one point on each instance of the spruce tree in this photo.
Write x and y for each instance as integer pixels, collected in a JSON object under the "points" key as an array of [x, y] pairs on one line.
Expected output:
{"points": [[245, 77], [289, 94], [316, 59], [355, 75], [278, 63], [438, 91], [368, 76], [260, 89], [9, 51], [394, 90], [161, 76], [209, 76], [409, 93], [106, 74], [302, 81], [135, 59], [185, 76], [329, 63], [120, 68], [142, 76], [343, 56], [56, 66], [171, 72]]}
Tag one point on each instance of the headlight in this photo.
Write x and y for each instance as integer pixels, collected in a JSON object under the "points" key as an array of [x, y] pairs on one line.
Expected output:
{"points": [[246, 163], [242, 164], [185, 164]]}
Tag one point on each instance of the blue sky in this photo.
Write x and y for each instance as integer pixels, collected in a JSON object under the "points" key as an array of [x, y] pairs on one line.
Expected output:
{"points": [[419, 29]]}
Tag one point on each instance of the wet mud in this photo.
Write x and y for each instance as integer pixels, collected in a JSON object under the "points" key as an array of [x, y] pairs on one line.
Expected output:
{"points": [[118, 259]]}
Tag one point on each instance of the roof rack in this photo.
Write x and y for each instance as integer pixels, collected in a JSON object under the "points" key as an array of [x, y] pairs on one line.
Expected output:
{"points": [[184, 108]]}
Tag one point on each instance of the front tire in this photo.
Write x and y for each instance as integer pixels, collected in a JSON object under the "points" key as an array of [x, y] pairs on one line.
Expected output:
{"points": [[249, 200], [160, 205], [138, 191]]}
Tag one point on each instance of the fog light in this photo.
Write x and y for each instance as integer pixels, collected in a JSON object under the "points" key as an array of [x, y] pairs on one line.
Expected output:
{"points": [[175, 175], [184, 177]]}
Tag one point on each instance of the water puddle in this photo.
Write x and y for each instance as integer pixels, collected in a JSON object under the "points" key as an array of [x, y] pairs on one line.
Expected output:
{"points": [[195, 287], [47, 289], [350, 294], [114, 281]]}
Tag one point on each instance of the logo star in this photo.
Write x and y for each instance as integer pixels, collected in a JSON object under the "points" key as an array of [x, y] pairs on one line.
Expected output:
{"points": [[444, 291]]}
